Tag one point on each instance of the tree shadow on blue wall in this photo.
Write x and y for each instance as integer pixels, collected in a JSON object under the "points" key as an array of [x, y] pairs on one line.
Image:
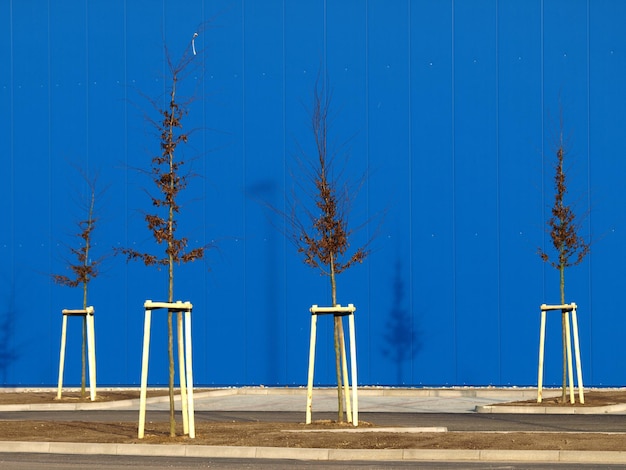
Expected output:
{"points": [[8, 350], [271, 328], [402, 337]]}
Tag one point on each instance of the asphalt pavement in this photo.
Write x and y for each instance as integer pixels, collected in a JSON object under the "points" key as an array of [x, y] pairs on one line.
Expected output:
{"points": [[418, 409]]}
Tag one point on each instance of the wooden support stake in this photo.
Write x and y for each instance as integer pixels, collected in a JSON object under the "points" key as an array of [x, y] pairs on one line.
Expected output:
{"points": [[91, 354], [309, 387], [579, 368], [181, 371], [62, 357], [144, 373], [184, 362], [567, 309], [346, 383], [568, 348], [188, 349], [542, 339], [88, 315], [337, 310], [355, 400]]}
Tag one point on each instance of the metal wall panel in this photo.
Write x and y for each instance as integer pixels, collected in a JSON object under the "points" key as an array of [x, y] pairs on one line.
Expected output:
{"points": [[389, 160], [475, 155], [607, 142], [450, 109], [520, 203], [432, 242], [263, 317]]}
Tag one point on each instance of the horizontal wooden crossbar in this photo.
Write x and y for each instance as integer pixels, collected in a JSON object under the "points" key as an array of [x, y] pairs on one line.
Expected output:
{"points": [[177, 306], [80, 312], [337, 310], [566, 307]]}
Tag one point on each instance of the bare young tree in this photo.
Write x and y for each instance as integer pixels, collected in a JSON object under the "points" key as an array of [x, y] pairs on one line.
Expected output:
{"points": [[569, 247], [166, 172], [322, 234], [85, 268]]}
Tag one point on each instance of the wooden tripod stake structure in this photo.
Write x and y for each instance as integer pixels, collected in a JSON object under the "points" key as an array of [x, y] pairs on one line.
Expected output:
{"points": [[184, 362], [88, 314], [336, 311], [567, 309]]}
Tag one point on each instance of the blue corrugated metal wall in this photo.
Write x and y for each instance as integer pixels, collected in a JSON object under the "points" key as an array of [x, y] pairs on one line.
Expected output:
{"points": [[450, 106]]}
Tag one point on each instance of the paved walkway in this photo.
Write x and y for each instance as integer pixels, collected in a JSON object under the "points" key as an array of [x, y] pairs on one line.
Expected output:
{"points": [[371, 399], [324, 400], [457, 400]]}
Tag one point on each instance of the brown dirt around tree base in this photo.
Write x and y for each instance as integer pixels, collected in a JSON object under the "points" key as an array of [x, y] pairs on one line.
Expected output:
{"points": [[592, 399], [275, 434], [41, 397]]}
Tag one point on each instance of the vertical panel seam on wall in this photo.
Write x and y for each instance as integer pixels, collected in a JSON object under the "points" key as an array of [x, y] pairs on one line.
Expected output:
{"points": [[165, 54], [205, 205], [325, 50], [243, 174], [50, 240], [453, 215], [498, 218], [125, 86], [284, 208], [87, 87], [367, 152], [410, 181], [589, 181], [11, 154], [11, 145], [542, 100]]}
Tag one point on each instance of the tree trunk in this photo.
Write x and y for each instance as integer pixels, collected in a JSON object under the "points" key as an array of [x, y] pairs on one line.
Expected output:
{"points": [[563, 333], [337, 334], [170, 339], [170, 332], [84, 347], [90, 222]]}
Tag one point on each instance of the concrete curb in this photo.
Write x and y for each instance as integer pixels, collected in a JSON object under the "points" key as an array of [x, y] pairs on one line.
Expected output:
{"points": [[165, 450], [395, 430], [108, 405], [553, 410]]}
